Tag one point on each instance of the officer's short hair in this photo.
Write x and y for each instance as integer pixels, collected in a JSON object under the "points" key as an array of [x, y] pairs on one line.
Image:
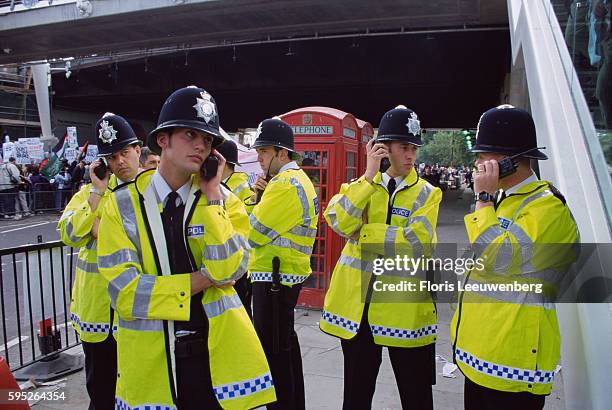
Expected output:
{"points": [[144, 154], [289, 153]]}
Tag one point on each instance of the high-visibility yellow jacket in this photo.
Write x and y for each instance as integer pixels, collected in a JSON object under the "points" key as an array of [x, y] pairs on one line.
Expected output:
{"points": [[509, 340], [284, 224], [238, 183], [90, 309], [408, 322], [133, 257]]}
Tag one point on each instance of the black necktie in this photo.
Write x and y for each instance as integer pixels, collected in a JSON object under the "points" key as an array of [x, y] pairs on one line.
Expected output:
{"points": [[499, 197], [170, 207], [391, 188]]}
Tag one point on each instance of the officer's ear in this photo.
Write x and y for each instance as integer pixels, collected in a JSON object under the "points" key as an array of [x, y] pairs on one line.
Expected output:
{"points": [[163, 139]]}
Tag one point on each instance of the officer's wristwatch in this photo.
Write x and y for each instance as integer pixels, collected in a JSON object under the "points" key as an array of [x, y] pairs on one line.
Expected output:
{"points": [[485, 197], [93, 190], [216, 202]]}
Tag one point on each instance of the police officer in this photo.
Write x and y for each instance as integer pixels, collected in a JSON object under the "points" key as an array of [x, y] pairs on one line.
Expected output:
{"points": [[507, 343], [90, 309], [388, 211], [283, 229], [170, 248], [237, 182]]}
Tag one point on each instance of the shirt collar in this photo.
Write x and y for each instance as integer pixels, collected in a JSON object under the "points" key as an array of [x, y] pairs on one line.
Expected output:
{"points": [[386, 178], [291, 165], [515, 188], [163, 189]]}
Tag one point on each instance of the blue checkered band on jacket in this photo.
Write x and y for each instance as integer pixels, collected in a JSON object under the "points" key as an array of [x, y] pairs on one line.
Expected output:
{"points": [[284, 277], [244, 388], [121, 405], [340, 321], [505, 372], [91, 327], [428, 330]]}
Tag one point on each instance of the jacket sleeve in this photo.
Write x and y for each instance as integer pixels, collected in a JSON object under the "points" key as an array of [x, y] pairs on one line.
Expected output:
{"points": [[77, 220], [416, 238], [278, 211], [136, 294], [225, 256], [541, 234], [344, 211]]}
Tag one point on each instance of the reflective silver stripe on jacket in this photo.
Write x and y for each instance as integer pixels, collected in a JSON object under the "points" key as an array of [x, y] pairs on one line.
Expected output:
{"points": [[85, 266], [421, 198], [224, 251], [142, 298], [142, 325], [70, 233], [118, 257], [261, 228], [356, 263], [422, 219], [237, 274], [303, 231], [128, 218], [288, 243], [218, 307], [121, 281], [511, 296], [352, 210], [486, 238]]}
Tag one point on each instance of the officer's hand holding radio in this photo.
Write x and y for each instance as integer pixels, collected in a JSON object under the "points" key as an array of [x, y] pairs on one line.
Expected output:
{"points": [[375, 152], [260, 183], [99, 182], [486, 179], [210, 184]]}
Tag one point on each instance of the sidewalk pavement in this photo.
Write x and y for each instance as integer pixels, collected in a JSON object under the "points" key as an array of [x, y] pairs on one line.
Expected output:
{"points": [[322, 355], [323, 369]]}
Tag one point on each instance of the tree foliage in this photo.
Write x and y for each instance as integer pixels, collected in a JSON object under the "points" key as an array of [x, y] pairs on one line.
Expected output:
{"points": [[446, 148]]}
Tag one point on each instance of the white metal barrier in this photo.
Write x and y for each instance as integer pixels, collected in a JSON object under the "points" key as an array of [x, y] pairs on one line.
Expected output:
{"points": [[577, 166]]}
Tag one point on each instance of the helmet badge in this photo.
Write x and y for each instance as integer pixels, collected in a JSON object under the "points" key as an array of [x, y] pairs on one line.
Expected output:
{"points": [[413, 124], [205, 107], [107, 133]]}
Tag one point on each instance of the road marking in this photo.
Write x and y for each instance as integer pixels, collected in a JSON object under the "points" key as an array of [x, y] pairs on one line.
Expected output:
{"points": [[14, 342], [27, 227]]}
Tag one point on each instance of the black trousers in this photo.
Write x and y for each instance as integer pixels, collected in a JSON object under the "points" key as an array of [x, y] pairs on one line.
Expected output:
{"points": [[476, 397], [101, 373], [286, 364], [414, 370], [194, 382], [244, 289]]}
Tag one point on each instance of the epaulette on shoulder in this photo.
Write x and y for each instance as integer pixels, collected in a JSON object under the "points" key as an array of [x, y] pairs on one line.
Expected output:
{"points": [[557, 193]]}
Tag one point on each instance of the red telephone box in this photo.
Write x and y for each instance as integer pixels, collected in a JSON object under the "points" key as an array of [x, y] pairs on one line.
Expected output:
{"points": [[327, 141], [366, 133]]}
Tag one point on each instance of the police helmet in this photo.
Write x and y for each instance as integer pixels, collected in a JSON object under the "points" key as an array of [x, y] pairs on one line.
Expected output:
{"points": [[229, 150], [400, 124], [190, 107], [507, 130], [113, 134], [274, 132]]}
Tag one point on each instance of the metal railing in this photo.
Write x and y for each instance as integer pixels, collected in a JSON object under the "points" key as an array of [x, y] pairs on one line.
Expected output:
{"points": [[35, 294], [39, 197]]}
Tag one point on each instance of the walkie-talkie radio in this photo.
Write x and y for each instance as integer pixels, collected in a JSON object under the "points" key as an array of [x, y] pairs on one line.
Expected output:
{"points": [[210, 167], [508, 165]]}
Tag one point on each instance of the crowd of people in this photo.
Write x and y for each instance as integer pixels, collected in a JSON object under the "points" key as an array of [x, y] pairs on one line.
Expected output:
{"points": [[24, 190], [447, 177]]}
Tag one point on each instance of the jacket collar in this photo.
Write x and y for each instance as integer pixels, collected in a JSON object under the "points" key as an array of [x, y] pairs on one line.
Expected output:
{"points": [[286, 167], [408, 180]]}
